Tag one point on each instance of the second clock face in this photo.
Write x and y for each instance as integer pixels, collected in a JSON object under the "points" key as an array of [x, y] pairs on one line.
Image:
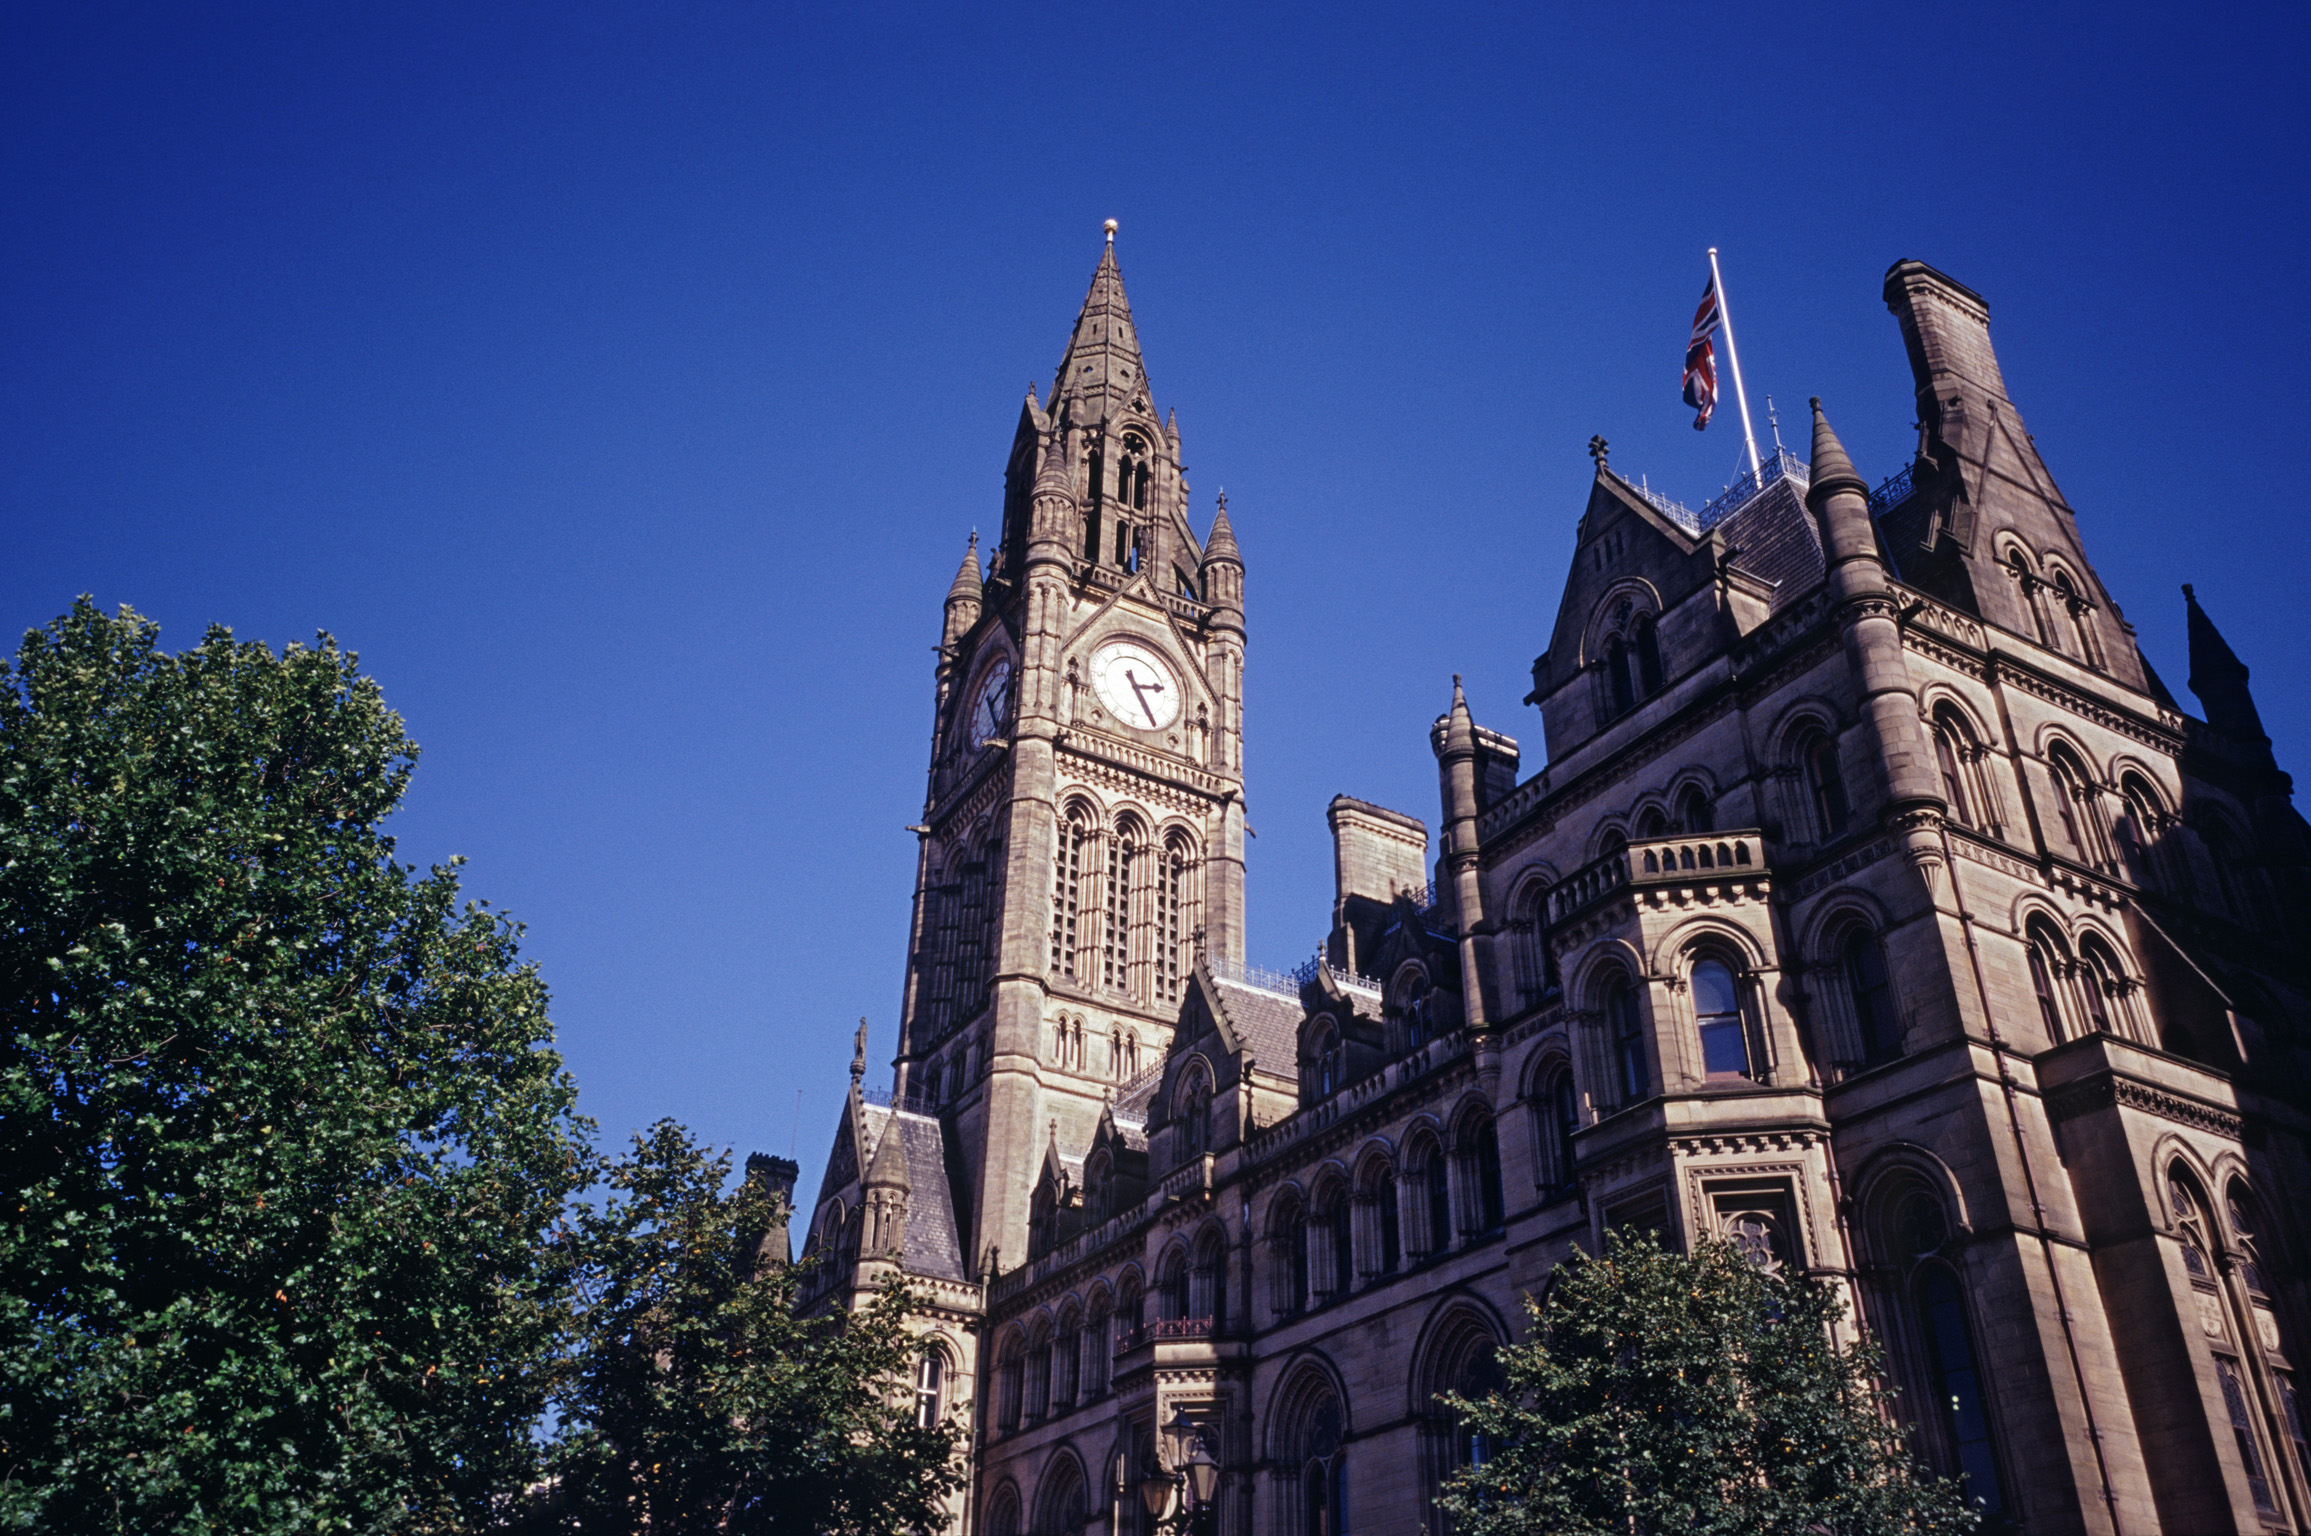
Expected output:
{"points": [[992, 706], [1134, 685]]}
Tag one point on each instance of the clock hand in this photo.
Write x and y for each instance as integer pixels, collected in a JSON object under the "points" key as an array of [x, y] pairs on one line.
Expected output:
{"points": [[1142, 690]]}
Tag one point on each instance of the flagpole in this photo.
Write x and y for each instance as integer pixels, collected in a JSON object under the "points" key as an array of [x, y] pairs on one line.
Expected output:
{"points": [[1733, 356]]}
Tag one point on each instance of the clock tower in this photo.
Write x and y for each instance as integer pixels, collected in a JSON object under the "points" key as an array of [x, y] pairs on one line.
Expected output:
{"points": [[1082, 838]]}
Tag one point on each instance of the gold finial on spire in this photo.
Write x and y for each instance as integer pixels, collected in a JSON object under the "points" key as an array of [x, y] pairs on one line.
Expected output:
{"points": [[1109, 226]]}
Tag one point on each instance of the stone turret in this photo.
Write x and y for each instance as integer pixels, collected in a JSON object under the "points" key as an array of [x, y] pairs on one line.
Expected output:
{"points": [[1457, 766], [1222, 572], [885, 1190]]}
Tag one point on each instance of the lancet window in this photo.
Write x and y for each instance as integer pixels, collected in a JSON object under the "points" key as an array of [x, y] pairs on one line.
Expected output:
{"points": [[1826, 785], [1115, 908], [1067, 894], [1171, 900], [1625, 1038]]}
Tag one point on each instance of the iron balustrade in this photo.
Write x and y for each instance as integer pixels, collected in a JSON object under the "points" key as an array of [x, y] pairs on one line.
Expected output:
{"points": [[1892, 491]]}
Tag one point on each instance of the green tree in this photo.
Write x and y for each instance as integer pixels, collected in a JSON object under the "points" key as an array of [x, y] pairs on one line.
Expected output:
{"points": [[701, 1402], [287, 1149], [1661, 1392]]}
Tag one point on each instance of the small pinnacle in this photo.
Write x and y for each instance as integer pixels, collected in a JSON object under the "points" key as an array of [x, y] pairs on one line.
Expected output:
{"points": [[2187, 590], [1815, 402], [1110, 228]]}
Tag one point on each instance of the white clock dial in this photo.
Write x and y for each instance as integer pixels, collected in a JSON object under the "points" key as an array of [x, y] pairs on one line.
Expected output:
{"points": [[992, 705], [1135, 686]]}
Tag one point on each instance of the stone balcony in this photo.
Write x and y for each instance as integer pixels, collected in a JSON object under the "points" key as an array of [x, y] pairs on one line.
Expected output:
{"points": [[1696, 859]]}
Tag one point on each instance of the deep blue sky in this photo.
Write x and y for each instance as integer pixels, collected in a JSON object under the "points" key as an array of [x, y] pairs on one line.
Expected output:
{"points": [[621, 382]]}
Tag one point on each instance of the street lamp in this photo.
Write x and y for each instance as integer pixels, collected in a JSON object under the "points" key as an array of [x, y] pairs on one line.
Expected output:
{"points": [[1203, 1476], [1192, 1469]]}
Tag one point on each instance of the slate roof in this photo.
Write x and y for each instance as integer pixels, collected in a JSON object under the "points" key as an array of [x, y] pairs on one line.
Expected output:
{"points": [[1266, 1024], [933, 1248], [1131, 1106], [1777, 540]]}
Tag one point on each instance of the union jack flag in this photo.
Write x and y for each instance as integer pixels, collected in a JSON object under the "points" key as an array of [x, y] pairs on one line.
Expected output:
{"points": [[1701, 356]]}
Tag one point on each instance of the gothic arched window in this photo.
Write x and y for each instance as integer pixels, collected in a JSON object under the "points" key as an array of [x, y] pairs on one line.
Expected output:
{"points": [[2079, 613], [1335, 1242], [1826, 784], [1717, 1015], [1414, 1006], [1324, 1063], [2109, 989], [1626, 1039], [1872, 993], [1195, 1115], [1694, 812], [1481, 1158], [1376, 1193], [1957, 1381], [1171, 920], [930, 1388], [1648, 657], [1620, 676], [1115, 908], [1436, 1200], [1560, 1118], [2141, 831], [2049, 960], [1067, 893], [1098, 1347], [1010, 1382], [2074, 802], [1288, 1240], [1953, 745]]}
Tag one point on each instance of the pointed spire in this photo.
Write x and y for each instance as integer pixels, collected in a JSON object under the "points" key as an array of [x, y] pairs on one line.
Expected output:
{"points": [[1102, 374], [889, 1169], [2219, 677], [966, 587], [1459, 729], [1832, 470], [1220, 543], [859, 1054]]}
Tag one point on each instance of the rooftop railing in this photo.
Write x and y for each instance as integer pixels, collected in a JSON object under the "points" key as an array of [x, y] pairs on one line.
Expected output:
{"points": [[1892, 491], [1245, 974], [1781, 464]]}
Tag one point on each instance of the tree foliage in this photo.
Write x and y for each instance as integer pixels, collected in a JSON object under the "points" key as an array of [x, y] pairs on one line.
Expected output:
{"points": [[1661, 1392], [295, 1236], [703, 1403], [287, 1147]]}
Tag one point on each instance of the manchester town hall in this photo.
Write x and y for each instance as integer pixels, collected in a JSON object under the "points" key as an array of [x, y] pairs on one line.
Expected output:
{"points": [[1875, 906]]}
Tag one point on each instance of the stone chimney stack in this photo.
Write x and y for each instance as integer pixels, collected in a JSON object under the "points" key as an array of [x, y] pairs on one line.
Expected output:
{"points": [[776, 1176]]}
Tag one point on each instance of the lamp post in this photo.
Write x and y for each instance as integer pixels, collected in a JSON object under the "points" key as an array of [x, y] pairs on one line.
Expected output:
{"points": [[1190, 1469]]}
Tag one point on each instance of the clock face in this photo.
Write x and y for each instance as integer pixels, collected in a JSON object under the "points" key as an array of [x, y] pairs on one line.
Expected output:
{"points": [[992, 706], [1135, 686]]}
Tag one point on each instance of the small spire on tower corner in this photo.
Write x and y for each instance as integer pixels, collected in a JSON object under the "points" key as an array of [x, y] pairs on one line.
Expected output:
{"points": [[1220, 543], [966, 586], [1832, 470]]}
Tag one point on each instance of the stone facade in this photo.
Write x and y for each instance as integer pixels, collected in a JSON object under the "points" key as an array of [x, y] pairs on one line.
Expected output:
{"points": [[1877, 907]]}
